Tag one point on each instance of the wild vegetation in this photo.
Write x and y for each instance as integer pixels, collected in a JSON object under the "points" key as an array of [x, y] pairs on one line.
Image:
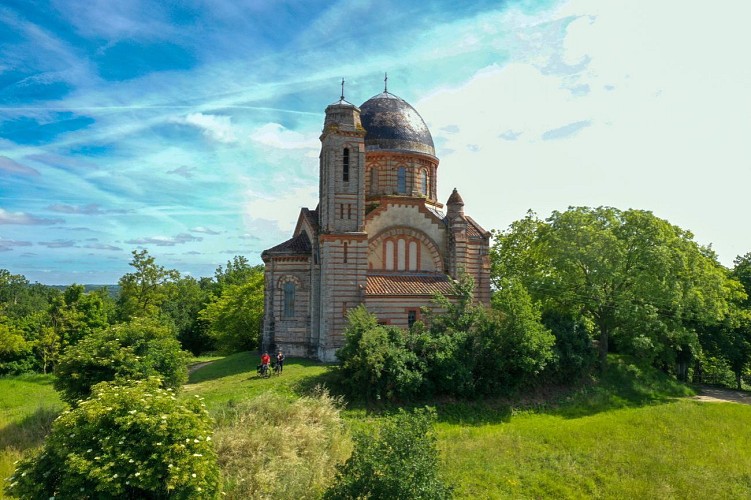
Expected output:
{"points": [[516, 406], [627, 433]]}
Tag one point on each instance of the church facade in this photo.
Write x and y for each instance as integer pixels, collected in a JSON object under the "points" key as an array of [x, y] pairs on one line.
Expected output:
{"points": [[378, 237]]}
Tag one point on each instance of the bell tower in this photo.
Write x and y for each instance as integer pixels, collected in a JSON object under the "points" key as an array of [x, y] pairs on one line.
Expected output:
{"points": [[343, 243], [342, 169]]}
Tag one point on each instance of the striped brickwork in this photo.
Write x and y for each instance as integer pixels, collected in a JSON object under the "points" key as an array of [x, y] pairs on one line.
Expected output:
{"points": [[368, 242]]}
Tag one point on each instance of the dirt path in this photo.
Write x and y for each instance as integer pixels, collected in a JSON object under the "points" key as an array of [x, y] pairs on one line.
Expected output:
{"points": [[717, 395], [198, 366]]}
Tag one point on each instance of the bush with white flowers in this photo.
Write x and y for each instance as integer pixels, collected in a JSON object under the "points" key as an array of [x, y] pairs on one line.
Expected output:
{"points": [[126, 441]]}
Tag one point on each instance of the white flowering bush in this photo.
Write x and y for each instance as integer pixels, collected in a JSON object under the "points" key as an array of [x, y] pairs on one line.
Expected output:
{"points": [[135, 441]]}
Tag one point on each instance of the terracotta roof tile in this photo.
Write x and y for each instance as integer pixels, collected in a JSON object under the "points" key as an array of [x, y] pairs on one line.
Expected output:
{"points": [[408, 284]]}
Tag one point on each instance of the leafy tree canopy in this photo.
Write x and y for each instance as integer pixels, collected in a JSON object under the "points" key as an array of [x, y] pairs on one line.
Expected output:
{"points": [[139, 349], [144, 291], [235, 317], [632, 275]]}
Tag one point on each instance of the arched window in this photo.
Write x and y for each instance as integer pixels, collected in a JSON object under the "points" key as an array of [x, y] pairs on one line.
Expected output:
{"points": [[424, 182], [373, 180], [345, 253], [389, 249], [289, 299], [412, 253], [401, 180], [345, 165], [401, 254]]}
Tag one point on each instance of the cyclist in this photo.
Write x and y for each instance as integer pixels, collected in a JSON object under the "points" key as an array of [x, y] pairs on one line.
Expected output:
{"points": [[265, 361], [280, 361]]}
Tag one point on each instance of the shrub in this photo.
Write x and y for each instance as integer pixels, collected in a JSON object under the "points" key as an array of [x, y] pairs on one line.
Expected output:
{"points": [[398, 460], [575, 355], [270, 447], [137, 350], [511, 344], [135, 441], [376, 362]]}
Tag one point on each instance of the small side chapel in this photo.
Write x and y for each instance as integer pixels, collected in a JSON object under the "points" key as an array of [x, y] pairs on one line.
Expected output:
{"points": [[378, 236]]}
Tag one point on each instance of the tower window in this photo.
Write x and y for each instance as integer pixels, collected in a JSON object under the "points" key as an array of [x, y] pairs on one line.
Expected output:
{"points": [[424, 181], [401, 180], [345, 165], [373, 180], [349, 210], [289, 299], [345, 253]]}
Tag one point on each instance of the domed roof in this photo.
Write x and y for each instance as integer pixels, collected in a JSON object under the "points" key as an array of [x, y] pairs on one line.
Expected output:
{"points": [[391, 123]]}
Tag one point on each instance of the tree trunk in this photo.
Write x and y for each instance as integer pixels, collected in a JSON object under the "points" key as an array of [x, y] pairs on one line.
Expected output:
{"points": [[738, 380], [603, 348]]}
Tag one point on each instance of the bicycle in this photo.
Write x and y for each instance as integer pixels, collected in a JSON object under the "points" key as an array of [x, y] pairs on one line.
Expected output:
{"points": [[277, 368], [263, 371]]}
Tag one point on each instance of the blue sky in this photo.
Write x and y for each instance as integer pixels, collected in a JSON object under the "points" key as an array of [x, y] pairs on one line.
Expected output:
{"points": [[191, 128]]}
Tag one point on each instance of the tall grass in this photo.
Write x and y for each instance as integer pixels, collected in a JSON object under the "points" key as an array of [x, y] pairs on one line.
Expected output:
{"points": [[271, 447]]}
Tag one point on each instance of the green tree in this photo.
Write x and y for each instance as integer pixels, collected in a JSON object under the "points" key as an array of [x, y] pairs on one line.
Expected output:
{"points": [[128, 441], [511, 346], [375, 360], [75, 314], [237, 272], [398, 459], [444, 348], [16, 353], [742, 272], [632, 275], [185, 301], [139, 349], [145, 290], [19, 298], [235, 317]]}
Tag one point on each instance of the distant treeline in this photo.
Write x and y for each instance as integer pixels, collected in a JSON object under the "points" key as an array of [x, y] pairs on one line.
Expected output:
{"points": [[114, 290], [38, 322]]}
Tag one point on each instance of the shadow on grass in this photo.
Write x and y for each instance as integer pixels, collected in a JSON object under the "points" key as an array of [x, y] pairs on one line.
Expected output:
{"points": [[31, 431], [309, 385], [225, 367], [626, 384]]}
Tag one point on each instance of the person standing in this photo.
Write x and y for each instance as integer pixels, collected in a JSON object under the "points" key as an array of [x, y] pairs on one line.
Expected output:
{"points": [[280, 361]]}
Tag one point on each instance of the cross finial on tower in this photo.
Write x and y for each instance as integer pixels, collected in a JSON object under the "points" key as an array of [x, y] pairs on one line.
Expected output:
{"points": [[342, 98], [385, 82]]}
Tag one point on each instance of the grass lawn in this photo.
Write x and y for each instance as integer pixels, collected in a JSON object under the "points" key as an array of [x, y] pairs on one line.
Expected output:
{"points": [[631, 435], [28, 405], [681, 449], [234, 378]]}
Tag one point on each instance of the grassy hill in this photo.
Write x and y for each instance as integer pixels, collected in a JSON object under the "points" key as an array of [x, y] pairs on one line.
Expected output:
{"points": [[632, 434]]}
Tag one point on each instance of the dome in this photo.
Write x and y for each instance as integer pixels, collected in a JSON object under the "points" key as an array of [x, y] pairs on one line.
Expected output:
{"points": [[390, 123]]}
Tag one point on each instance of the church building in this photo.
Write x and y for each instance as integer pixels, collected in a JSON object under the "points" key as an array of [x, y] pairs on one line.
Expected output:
{"points": [[378, 237]]}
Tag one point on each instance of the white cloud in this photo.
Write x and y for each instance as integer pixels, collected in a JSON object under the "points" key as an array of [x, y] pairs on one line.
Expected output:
{"points": [[276, 136], [165, 241], [663, 126], [25, 219], [204, 230], [215, 127]]}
